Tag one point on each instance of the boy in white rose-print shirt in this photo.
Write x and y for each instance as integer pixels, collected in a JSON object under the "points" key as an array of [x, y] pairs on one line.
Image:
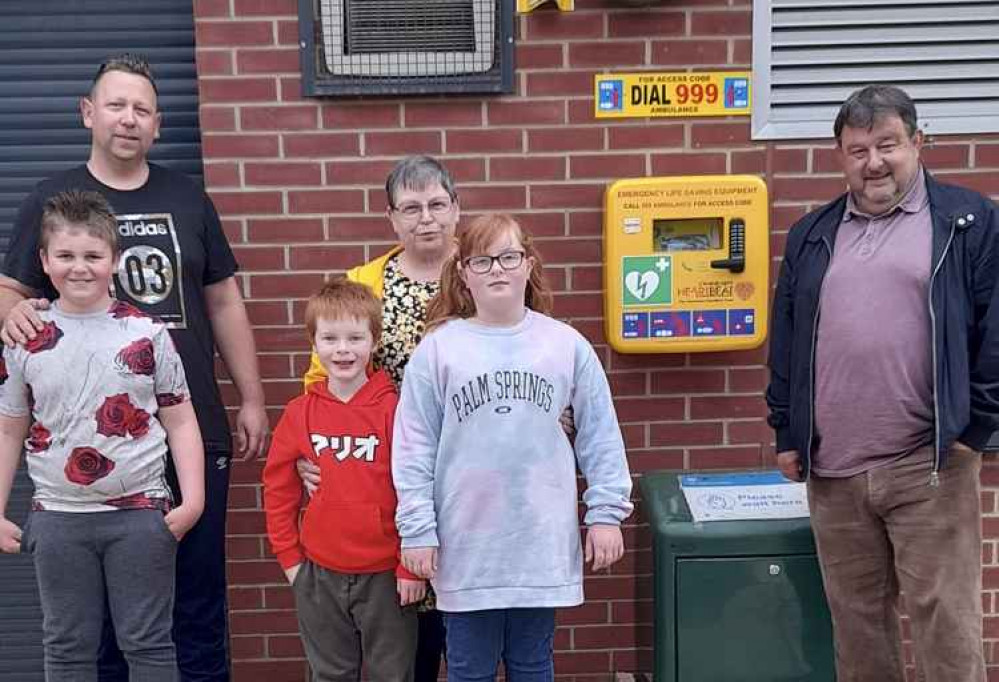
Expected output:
{"points": [[94, 400]]}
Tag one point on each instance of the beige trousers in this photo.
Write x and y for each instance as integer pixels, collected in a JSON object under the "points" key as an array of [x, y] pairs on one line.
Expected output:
{"points": [[886, 530]]}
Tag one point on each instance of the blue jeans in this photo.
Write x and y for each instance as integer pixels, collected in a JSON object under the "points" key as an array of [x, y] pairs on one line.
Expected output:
{"points": [[522, 638]]}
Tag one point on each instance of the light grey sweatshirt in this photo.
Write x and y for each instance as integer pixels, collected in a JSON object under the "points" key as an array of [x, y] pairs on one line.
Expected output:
{"points": [[484, 471]]}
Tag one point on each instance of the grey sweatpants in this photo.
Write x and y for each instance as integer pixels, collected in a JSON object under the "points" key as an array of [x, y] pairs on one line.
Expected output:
{"points": [[345, 615], [129, 554]]}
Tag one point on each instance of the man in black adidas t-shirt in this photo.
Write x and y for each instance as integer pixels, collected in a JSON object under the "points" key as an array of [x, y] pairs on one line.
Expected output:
{"points": [[177, 265]]}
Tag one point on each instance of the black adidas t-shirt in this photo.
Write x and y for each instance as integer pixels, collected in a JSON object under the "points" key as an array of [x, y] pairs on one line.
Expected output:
{"points": [[172, 247]]}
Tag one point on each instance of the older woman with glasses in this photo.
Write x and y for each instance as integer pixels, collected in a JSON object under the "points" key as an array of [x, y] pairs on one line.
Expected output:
{"points": [[423, 210]]}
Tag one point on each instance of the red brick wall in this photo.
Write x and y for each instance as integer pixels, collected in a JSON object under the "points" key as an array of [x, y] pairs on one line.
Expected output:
{"points": [[298, 183]]}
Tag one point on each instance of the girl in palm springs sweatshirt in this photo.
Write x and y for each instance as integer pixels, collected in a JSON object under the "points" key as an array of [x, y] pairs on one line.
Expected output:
{"points": [[485, 475]]}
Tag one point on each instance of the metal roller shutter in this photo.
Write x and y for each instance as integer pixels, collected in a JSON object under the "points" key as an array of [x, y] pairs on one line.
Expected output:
{"points": [[49, 51]]}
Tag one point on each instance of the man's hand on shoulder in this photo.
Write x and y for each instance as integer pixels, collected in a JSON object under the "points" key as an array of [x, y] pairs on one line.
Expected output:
{"points": [[23, 323]]}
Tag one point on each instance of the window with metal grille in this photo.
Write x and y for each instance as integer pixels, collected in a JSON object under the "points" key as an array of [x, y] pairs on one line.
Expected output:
{"points": [[377, 27], [809, 55], [378, 47]]}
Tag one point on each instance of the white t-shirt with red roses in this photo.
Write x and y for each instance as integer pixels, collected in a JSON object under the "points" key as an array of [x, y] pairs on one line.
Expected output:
{"points": [[92, 384]]}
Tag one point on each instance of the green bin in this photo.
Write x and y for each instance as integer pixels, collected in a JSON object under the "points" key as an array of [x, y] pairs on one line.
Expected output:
{"points": [[735, 601]]}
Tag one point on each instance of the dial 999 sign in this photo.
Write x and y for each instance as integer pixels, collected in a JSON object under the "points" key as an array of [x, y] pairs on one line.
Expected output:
{"points": [[672, 94], [695, 93]]}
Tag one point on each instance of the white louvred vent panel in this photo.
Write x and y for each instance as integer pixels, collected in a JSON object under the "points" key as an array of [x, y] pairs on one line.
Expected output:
{"points": [[809, 56]]}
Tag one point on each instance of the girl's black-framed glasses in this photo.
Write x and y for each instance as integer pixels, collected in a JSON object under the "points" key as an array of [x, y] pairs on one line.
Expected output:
{"points": [[508, 260]]}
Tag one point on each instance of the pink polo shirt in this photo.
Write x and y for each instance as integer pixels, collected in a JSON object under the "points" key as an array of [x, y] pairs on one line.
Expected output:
{"points": [[873, 364]]}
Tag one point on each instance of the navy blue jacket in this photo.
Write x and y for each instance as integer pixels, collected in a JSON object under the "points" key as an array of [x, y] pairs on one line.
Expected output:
{"points": [[964, 310]]}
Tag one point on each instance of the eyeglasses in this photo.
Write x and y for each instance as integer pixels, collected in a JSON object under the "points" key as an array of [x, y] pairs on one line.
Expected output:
{"points": [[413, 211], [508, 260]]}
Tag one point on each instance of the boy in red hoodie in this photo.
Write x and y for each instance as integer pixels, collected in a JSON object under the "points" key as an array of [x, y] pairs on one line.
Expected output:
{"points": [[342, 560]]}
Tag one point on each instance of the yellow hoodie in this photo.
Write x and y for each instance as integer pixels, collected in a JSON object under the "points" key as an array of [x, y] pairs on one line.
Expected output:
{"points": [[371, 273]]}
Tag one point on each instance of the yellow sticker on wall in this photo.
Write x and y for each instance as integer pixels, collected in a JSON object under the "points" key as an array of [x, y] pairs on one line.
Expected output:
{"points": [[525, 6], [639, 95]]}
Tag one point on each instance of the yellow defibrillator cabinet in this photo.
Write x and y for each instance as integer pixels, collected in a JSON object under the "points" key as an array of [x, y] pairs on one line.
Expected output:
{"points": [[686, 264]]}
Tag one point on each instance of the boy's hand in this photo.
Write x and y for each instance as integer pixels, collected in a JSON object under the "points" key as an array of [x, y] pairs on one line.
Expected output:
{"points": [[604, 545], [309, 473], [10, 537], [23, 323], [410, 591], [182, 519], [292, 572], [421, 561]]}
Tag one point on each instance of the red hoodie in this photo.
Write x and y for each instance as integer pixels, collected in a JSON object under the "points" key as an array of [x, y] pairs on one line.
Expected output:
{"points": [[349, 524]]}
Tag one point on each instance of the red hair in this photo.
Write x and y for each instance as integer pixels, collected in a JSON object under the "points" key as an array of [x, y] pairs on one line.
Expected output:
{"points": [[455, 301], [340, 299]]}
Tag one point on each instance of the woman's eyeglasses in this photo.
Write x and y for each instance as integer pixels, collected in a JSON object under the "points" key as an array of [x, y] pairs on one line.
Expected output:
{"points": [[508, 260], [413, 211]]}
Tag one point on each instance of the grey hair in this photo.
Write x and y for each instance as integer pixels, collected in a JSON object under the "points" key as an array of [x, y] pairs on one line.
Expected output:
{"points": [[866, 106], [417, 173]]}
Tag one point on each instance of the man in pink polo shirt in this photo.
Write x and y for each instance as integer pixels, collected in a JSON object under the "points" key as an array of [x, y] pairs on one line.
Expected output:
{"points": [[884, 389]]}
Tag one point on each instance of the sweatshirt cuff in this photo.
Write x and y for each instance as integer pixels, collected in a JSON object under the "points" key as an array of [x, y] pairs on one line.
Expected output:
{"points": [[427, 539], [290, 557], [606, 516], [784, 440]]}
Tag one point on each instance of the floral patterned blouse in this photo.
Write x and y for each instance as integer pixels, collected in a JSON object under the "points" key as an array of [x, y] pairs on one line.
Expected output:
{"points": [[404, 310]]}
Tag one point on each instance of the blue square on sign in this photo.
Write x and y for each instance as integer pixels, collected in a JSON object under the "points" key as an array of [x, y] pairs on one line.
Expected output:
{"points": [[611, 95], [669, 324], [742, 322], [736, 93], [635, 325], [709, 323]]}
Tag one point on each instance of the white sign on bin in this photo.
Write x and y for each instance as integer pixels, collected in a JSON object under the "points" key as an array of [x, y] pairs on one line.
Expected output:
{"points": [[743, 496]]}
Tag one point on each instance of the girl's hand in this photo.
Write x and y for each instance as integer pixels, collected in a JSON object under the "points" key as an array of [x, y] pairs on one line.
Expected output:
{"points": [[182, 519], [292, 572], [10, 537], [309, 473], [421, 561], [604, 545], [410, 591]]}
